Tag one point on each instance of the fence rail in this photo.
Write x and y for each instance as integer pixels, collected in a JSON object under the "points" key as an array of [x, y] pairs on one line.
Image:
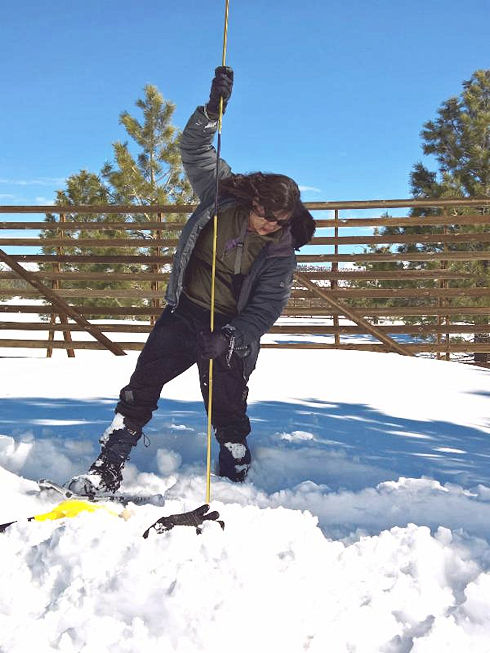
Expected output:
{"points": [[351, 286]]}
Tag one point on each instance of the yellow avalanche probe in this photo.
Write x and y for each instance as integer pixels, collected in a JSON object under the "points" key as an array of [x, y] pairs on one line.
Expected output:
{"points": [[69, 508]]}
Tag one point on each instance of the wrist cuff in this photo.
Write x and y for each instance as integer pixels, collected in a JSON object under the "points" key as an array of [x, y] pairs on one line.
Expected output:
{"points": [[212, 117]]}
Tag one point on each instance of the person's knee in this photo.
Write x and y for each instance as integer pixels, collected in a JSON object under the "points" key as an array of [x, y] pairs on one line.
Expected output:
{"points": [[136, 406]]}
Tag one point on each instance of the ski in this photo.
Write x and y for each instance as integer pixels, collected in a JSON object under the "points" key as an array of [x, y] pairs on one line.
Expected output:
{"points": [[122, 498], [67, 508]]}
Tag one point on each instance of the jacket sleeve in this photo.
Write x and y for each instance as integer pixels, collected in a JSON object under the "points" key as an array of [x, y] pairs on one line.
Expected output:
{"points": [[266, 303], [199, 155]]}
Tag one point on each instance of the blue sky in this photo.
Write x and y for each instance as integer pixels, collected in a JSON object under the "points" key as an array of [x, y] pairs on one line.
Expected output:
{"points": [[332, 93]]}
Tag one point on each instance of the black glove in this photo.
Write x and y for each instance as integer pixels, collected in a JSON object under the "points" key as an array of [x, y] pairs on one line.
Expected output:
{"points": [[212, 345], [220, 87]]}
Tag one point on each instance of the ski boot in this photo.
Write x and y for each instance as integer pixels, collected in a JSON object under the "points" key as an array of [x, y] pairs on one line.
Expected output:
{"points": [[105, 473], [234, 460]]}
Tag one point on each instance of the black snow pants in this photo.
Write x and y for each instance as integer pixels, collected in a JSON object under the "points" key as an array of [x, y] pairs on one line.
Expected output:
{"points": [[169, 351]]}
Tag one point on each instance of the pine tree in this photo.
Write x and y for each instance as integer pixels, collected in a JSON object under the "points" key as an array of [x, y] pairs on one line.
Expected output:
{"points": [[86, 188], [155, 175], [459, 139], [152, 175]]}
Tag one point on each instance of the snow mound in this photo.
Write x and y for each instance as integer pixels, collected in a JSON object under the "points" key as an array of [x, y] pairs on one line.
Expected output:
{"points": [[364, 524], [270, 581]]}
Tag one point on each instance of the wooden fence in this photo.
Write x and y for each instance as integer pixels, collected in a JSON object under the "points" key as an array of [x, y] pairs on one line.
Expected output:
{"points": [[436, 302]]}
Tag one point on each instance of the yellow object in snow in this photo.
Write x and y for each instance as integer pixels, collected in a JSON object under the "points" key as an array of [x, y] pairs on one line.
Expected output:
{"points": [[72, 508]]}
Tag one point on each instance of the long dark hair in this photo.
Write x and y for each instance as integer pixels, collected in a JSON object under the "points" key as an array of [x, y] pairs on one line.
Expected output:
{"points": [[302, 225], [275, 193]]}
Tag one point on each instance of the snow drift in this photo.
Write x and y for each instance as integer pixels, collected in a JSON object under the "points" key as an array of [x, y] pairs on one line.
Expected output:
{"points": [[364, 525]]}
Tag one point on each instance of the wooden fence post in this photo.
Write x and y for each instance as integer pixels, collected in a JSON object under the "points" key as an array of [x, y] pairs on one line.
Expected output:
{"points": [[446, 300], [443, 302], [56, 285], [62, 316], [335, 268], [52, 318], [155, 285]]}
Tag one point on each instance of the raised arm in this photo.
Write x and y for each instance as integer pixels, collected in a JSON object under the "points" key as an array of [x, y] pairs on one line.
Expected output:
{"points": [[196, 143]]}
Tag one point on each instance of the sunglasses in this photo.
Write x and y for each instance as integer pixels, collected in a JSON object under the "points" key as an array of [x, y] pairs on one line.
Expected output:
{"points": [[270, 217]]}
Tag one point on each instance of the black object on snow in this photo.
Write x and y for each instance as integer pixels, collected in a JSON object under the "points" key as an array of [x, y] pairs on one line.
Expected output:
{"points": [[192, 518], [3, 527]]}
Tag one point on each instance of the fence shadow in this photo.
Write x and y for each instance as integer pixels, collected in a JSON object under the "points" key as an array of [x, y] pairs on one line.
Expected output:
{"points": [[341, 445]]}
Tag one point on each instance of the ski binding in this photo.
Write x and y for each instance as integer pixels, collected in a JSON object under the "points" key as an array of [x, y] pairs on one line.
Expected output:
{"points": [[122, 498]]}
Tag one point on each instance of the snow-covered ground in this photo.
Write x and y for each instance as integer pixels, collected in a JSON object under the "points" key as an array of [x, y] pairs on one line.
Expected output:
{"points": [[364, 525]]}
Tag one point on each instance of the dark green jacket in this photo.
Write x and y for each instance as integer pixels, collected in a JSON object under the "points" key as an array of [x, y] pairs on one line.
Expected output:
{"points": [[266, 288]]}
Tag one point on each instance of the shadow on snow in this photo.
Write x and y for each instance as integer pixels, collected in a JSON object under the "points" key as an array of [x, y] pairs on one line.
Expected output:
{"points": [[341, 445]]}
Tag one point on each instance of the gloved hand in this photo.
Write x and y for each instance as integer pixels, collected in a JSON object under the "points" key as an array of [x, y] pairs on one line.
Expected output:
{"points": [[212, 345], [221, 86]]}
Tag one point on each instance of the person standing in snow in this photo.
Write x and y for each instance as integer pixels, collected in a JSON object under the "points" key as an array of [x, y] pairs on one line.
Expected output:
{"points": [[261, 221]]}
